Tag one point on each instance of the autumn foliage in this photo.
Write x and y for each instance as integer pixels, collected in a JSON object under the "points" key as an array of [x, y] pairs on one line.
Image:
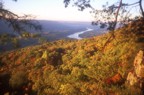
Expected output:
{"points": [[71, 67]]}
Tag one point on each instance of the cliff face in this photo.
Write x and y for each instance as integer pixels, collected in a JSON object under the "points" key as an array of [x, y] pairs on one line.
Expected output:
{"points": [[136, 77], [139, 64]]}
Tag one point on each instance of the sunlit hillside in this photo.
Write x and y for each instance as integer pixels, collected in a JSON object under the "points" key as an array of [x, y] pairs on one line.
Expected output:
{"points": [[74, 67]]}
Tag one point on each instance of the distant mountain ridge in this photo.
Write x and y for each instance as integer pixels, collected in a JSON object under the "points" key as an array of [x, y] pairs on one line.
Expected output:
{"points": [[57, 29], [51, 31], [50, 25], [4, 28]]}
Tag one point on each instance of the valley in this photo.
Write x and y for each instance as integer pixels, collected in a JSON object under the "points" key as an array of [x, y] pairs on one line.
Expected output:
{"points": [[71, 47], [51, 31], [76, 67]]}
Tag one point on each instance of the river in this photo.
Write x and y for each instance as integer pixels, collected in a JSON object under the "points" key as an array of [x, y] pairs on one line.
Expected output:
{"points": [[76, 35]]}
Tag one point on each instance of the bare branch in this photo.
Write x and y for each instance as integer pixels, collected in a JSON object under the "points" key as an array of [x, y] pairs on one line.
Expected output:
{"points": [[18, 23], [133, 4], [141, 8]]}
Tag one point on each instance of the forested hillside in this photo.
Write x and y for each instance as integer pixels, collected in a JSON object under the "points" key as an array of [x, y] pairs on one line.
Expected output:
{"points": [[51, 31], [74, 67]]}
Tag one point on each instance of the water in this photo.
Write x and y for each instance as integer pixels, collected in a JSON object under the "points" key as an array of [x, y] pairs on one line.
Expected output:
{"points": [[76, 35]]}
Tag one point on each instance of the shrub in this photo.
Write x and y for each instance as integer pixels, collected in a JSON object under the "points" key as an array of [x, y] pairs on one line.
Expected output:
{"points": [[18, 79]]}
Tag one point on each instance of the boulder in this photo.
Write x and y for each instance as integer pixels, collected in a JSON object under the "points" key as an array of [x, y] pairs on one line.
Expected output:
{"points": [[132, 78], [136, 77], [139, 64]]}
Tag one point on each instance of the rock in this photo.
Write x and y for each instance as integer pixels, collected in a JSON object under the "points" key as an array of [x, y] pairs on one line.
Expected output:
{"points": [[139, 64], [132, 78], [135, 78]]}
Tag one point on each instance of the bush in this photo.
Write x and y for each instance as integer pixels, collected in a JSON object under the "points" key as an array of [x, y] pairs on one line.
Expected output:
{"points": [[18, 79]]}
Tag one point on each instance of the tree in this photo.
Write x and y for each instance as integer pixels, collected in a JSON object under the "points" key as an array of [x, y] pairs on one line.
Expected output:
{"points": [[18, 23], [109, 15]]}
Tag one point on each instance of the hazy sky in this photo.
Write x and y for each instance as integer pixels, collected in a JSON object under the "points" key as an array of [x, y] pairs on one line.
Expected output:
{"points": [[53, 9]]}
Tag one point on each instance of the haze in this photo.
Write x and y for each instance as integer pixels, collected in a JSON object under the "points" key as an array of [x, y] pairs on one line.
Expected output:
{"points": [[53, 9]]}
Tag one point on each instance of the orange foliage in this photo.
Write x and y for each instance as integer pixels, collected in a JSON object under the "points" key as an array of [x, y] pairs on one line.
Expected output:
{"points": [[116, 79]]}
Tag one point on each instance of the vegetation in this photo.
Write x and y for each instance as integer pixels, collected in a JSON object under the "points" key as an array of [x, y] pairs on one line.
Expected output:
{"points": [[14, 41], [74, 67], [6, 39], [110, 14], [18, 23]]}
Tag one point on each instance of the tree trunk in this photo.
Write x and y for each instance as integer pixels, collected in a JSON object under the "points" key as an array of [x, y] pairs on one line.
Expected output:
{"points": [[117, 13], [112, 36], [141, 8]]}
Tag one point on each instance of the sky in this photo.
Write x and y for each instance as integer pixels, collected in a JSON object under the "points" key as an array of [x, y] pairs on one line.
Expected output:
{"points": [[53, 9]]}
